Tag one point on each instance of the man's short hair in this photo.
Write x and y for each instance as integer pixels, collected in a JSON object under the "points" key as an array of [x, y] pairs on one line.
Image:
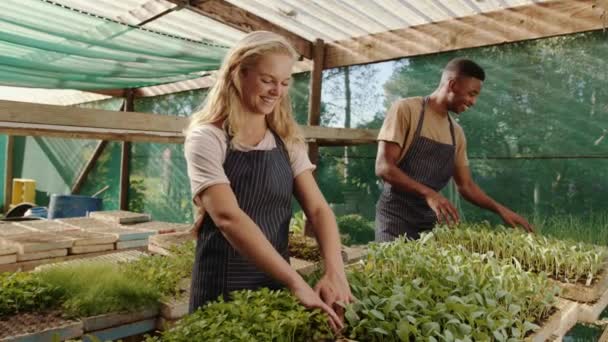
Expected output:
{"points": [[465, 67]]}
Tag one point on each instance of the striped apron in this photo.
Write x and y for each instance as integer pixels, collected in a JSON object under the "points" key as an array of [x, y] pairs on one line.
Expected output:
{"points": [[262, 182], [428, 162]]}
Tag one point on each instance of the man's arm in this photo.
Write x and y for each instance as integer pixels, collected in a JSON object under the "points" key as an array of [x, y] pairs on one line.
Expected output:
{"points": [[473, 193], [388, 171]]}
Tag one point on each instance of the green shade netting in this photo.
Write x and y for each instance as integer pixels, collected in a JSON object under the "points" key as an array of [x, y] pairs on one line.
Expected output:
{"points": [[537, 138], [45, 45]]}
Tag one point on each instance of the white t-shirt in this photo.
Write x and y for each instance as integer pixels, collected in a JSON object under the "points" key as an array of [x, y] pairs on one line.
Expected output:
{"points": [[205, 151]]}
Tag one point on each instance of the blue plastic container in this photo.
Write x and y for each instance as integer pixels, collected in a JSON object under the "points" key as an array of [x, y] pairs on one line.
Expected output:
{"points": [[72, 206], [40, 212]]}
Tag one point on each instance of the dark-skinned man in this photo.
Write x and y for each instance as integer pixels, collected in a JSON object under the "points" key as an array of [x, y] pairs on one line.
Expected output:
{"points": [[420, 148]]}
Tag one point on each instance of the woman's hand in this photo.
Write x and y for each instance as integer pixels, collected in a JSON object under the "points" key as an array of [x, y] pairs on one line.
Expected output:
{"points": [[311, 300], [333, 288]]}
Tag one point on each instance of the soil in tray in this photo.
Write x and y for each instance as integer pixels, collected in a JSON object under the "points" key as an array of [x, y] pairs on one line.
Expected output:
{"points": [[24, 323]]}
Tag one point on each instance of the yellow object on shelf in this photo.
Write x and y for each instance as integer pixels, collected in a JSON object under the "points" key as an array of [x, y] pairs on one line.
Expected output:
{"points": [[24, 190]]}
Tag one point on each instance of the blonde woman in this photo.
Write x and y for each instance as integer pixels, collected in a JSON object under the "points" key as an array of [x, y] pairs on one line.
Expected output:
{"points": [[245, 161]]}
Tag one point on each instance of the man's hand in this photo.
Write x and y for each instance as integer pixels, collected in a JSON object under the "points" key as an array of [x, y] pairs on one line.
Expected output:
{"points": [[513, 219], [445, 211]]}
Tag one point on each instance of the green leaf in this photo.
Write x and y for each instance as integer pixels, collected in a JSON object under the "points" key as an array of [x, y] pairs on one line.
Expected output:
{"points": [[377, 314]]}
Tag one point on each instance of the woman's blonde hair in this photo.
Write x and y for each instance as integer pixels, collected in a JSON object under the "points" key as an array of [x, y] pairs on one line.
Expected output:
{"points": [[224, 101]]}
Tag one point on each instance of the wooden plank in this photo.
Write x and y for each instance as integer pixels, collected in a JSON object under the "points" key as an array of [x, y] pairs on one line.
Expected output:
{"points": [[242, 20], [125, 158], [121, 217], [91, 163], [37, 242], [114, 319], [20, 118], [314, 109], [558, 324], [323, 136], [62, 332], [124, 175], [316, 79], [47, 254], [22, 112], [604, 337], [538, 20], [30, 265], [8, 173], [329, 135], [91, 248], [314, 99], [122, 331], [70, 132], [131, 244], [173, 309], [89, 166], [590, 312]]}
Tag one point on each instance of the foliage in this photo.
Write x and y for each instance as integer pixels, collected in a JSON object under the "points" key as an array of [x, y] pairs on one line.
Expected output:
{"points": [[96, 288], [164, 272], [261, 315], [137, 196], [359, 230], [566, 261], [421, 291], [592, 228], [304, 247], [298, 223], [23, 292]]}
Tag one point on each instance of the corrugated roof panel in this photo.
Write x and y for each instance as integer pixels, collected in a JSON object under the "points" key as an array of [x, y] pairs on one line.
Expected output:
{"points": [[390, 20], [311, 19], [334, 25], [280, 15], [355, 17], [189, 24], [130, 12]]}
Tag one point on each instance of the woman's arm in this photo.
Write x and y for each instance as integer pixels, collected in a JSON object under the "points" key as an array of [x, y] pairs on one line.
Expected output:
{"points": [[333, 286], [246, 237]]}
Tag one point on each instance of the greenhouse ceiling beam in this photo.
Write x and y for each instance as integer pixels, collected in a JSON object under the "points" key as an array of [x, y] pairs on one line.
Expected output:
{"points": [[539, 20], [245, 21], [23, 118]]}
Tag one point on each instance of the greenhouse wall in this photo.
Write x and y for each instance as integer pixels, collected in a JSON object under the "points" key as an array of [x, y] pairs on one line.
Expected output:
{"points": [[535, 139]]}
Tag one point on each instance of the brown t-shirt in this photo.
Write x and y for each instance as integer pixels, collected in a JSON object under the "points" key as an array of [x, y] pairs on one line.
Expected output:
{"points": [[402, 119]]}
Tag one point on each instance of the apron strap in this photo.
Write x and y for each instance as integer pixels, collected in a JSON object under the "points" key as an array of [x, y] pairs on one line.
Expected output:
{"points": [[452, 130], [421, 120]]}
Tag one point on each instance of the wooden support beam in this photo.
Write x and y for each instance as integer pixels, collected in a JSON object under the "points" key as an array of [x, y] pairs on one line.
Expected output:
{"points": [[89, 166], [538, 20], [91, 163], [31, 113], [125, 157], [21, 118], [314, 109], [314, 97], [8, 174], [316, 78], [242, 20]]}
